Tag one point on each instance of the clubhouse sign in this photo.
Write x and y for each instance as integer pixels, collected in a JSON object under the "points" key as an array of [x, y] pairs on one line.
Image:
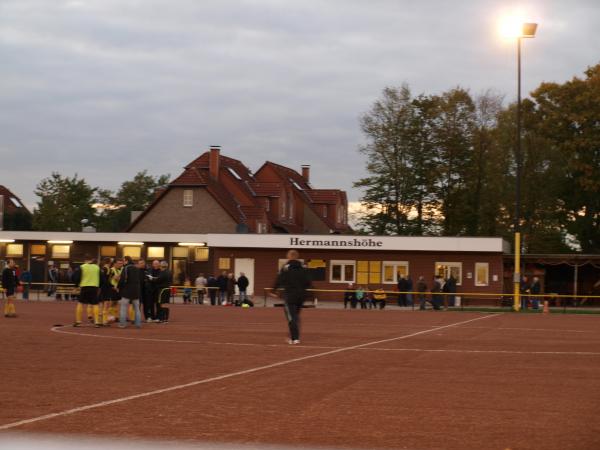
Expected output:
{"points": [[357, 243]]}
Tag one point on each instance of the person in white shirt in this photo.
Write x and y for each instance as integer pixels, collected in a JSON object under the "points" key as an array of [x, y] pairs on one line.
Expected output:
{"points": [[200, 288]]}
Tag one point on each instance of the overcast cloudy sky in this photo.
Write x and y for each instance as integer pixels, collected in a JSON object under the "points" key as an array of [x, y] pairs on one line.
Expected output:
{"points": [[105, 88]]}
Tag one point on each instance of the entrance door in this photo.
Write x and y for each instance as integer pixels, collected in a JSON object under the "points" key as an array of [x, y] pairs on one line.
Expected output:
{"points": [[245, 265]]}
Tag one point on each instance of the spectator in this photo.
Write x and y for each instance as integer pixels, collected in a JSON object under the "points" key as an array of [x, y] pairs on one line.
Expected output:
{"points": [[52, 278], [450, 289], [402, 289], [26, 279], [379, 296], [231, 289], [242, 284], [212, 285], [152, 292], [525, 289], [535, 289], [350, 297], [436, 297], [187, 290], [163, 282], [409, 288], [9, 284], [422, 289], [361, 297], [222, 284], [200, 283], [129, 289]]}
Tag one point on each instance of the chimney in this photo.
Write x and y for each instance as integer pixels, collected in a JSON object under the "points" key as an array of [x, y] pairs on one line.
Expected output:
{"points": [[306, 173], [213, 161]]}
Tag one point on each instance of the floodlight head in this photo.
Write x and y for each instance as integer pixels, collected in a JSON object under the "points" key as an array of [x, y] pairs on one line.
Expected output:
{"points": [[528, 30]]}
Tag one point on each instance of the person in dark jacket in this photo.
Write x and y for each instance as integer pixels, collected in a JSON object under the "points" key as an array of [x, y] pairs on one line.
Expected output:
{"points": [[222, 284], [436, 297], [231, 282], [129, 290], [9, 284], [450, 289], [350, 297], [151, 300], [402, 289], [422, 289], [163, 282], [535, 289], [242, 284], [525, 288], [212, 286], [294, 280]]}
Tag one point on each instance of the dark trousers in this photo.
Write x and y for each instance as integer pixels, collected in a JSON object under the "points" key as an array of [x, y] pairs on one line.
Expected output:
{"points": [[212, 293], [149, 304], [292, 314]]}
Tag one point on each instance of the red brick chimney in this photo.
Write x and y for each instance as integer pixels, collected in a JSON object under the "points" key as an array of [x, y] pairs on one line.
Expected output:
{"points": [[213, 161], [306, 173]]}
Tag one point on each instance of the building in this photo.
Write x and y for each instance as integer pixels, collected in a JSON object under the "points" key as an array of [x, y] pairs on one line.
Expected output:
{"points": [[219, 194], [334, 260], [13, 213]]}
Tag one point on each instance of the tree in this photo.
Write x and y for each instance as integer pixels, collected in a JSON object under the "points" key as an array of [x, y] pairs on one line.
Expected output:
{"points": [[64, 203], [388, 188], [133, 195], [567, 116]]}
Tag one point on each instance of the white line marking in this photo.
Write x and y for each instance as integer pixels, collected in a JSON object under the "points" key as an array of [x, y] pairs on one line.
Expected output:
{"points": [[443, 350], [228, 375]]}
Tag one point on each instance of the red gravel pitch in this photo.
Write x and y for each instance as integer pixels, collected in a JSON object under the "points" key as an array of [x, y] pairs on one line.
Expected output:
{"points": [[506, 381]]}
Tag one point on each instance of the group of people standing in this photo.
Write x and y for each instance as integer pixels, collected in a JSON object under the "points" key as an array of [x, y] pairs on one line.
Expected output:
{"points": [[442, 294], [117, 288], [220, 290]]}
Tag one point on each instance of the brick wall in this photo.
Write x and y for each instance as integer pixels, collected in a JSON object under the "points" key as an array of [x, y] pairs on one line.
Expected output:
{"points": [[170, 216]]}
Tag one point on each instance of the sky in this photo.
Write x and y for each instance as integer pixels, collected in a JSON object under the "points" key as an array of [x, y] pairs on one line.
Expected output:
{"points": [[107, 88]]}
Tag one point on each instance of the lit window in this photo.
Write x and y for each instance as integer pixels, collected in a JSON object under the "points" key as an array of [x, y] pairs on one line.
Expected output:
{"points": [[342, 271], [14, 250], [38, 249], [180, 252], [188, 198], [224, 263], [134, 252], [445, 269], [156, 252], [368, 272], [482, 274], [201, 254], [61, 251], [108, 251], [393, 270]]}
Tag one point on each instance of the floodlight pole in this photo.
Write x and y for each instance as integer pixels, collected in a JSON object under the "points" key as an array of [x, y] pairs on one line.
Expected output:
{"points": [[517, 218]]}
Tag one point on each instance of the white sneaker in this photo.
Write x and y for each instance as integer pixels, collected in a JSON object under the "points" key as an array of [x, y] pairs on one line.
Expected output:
{"points": [[294, 342], [149, 320]]}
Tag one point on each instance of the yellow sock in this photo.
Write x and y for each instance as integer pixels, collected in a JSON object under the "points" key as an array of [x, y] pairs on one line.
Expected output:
{"points": [[6, 308], [78, 313], [96, 313], [113, 311], [131, 313], [11, 308], [105, 314], [88, 311]]}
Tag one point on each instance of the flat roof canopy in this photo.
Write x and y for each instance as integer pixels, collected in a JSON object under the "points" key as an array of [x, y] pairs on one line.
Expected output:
{"points": [[282, 241]]}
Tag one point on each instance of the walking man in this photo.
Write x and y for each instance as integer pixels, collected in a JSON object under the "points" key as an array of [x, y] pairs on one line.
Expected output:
{"points": [[294, 280], [243, 283]]}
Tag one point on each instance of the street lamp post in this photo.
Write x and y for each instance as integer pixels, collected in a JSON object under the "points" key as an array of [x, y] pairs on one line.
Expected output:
{"points": [[527, 31]]}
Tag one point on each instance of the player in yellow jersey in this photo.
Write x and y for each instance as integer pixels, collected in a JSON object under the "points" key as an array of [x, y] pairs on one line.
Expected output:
{"points": [[88, 279], [10, 283]]}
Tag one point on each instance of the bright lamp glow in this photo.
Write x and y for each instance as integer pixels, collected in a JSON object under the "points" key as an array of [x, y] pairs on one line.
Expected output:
{"points": [[192, 244], [515, 25], [130, 243], [60, 242], [7, 240]]}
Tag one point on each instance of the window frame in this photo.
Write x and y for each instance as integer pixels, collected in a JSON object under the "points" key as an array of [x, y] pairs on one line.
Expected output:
{"points": [[13, 245], [395, 265], [343, 263], [487, 274], [188, 198], [450, 264]]}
